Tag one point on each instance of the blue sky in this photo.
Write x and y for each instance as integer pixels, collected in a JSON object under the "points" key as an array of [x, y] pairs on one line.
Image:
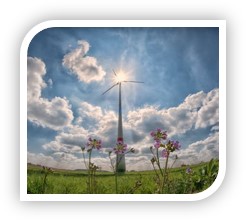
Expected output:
{"points": [[70, 68]]}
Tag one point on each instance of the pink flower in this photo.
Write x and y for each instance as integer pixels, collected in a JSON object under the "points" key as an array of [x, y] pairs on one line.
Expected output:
{"points": [[164, 153], [94, 143], [159, 135], [157, 144], [188, 170], [173, 145], [120, 147], [176, 145]]}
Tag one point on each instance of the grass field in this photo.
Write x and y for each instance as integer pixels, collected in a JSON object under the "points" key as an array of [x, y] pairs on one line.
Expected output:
{"points": [[144, 182]]}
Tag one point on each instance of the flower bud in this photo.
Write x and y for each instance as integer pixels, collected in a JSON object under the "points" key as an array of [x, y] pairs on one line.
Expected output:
{"points": [[153, 160]]}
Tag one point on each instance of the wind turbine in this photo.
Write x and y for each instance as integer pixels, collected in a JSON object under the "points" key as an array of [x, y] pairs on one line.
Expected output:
{"points": [[120, 159]]}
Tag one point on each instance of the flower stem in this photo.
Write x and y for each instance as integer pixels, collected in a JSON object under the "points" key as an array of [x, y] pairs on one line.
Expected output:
{"points": [[116, 172], [89, 173], [116, 178], [155, 171], [158, 161], [174, 162], [86, 166], [165, 177]]}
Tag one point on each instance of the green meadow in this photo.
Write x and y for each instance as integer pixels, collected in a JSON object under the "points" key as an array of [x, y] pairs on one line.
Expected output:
{"points": [[180, 180]]}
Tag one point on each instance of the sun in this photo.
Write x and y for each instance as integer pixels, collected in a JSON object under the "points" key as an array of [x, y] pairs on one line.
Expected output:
{"points": [[120, 76]]}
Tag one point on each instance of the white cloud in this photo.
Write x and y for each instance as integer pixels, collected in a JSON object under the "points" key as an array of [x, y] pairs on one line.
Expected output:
{"points": [[40, 159], [175, 120], [55, 113], [202, 150], [138, 163], [208, 115], [199, 110], [85, 67], [87, 110], [69, 141], [102, 125], [194, 101], [215, 128], [98, 122], [57, 160], [64, 156], [54, 145], [102, 163], [35, 83]]}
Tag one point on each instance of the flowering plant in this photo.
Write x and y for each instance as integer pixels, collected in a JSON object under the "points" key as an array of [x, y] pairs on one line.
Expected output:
{"points": [[119, 150], [120, 147], [94, 144], [91, 167], [162, 149]]}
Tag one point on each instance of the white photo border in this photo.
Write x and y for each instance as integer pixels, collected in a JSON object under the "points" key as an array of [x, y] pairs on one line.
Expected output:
{"points": [[221, 24]]}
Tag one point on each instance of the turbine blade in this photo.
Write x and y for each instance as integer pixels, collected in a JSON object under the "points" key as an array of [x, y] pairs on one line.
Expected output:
{"points": [[109, 89], [134, 81], [114, 73]]}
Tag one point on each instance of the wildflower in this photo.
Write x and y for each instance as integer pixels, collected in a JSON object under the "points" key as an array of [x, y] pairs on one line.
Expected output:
{"points": [[159, 135], [94, 143], [188, 170], [93, 167], [176, 145], [157, 144], [120, 147], [165, 153], [153, 160], [172, 145]]}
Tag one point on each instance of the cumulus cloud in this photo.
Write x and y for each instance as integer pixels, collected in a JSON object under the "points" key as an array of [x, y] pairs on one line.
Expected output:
{"points": [[202, 150], [209, 113], [92, 122], [199, 110], [194, 101], [104, 124], [175, 120], [35, 73], [55, 113], [69, 141], [90, 111], [86, 68], [97, 121]]}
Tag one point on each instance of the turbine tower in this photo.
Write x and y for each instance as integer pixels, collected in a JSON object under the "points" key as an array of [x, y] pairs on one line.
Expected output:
{"points": [[120, 159]]}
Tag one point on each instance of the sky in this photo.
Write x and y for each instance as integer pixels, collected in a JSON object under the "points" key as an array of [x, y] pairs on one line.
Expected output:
{"points": [[68, 69]]}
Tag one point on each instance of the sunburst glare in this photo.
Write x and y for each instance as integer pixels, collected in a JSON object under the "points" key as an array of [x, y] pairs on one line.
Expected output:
{"points": [[120, 76]]}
